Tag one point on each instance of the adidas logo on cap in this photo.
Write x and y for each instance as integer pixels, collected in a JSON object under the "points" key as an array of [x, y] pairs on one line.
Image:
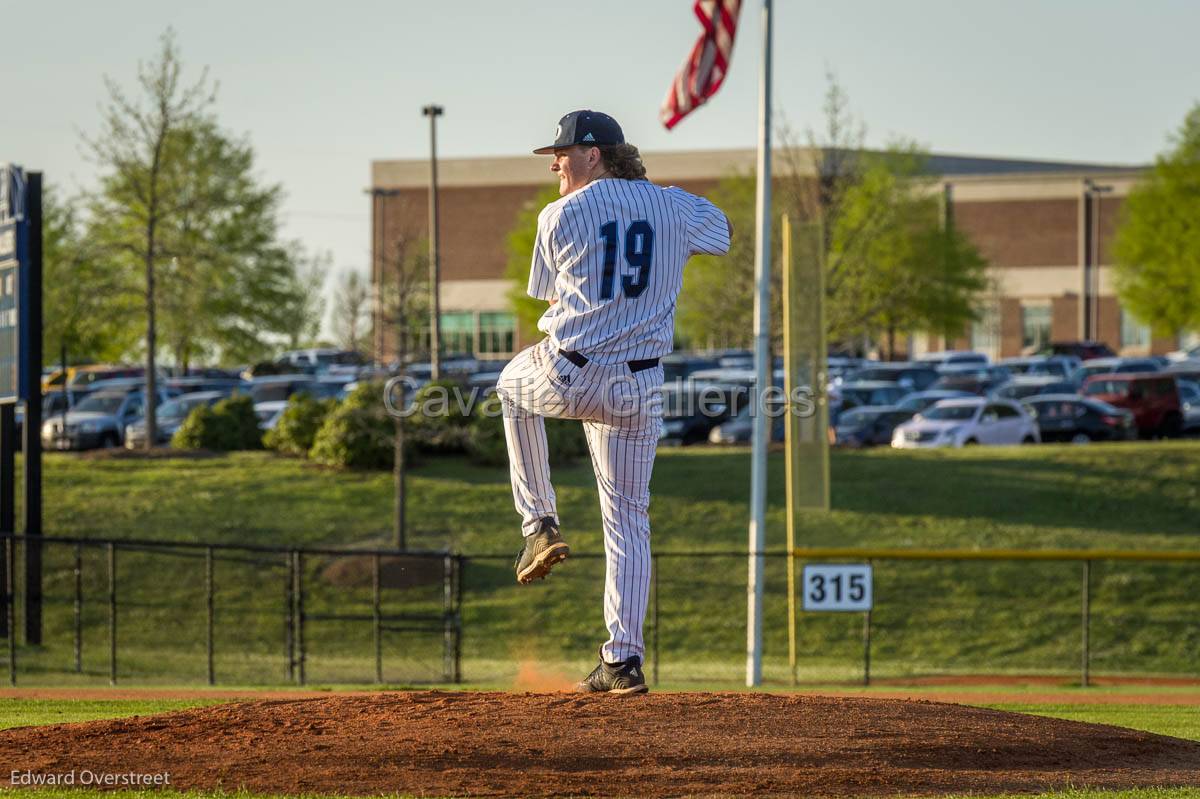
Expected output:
{"points": [[589, 137]]}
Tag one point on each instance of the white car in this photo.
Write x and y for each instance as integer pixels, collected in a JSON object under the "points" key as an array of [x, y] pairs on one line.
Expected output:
{"points": [[268, 413], [963, 422]]}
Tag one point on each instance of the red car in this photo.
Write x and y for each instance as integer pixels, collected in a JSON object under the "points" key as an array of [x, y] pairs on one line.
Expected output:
{"points": [[1152, 397]]}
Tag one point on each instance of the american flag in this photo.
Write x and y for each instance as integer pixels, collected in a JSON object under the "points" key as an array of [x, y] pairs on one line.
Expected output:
{"points": [[704, 70]]}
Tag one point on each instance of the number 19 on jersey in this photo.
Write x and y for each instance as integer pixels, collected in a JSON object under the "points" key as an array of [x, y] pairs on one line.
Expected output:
{"points": [[837, 587]]}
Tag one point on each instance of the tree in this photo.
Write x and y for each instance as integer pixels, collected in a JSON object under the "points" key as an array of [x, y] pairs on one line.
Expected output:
{"points": [[890, 264], [302, 301], [404, 308], [90, 310], [716, 304], [1158, 241], [521, 238], [351, 310], [135, 200], [230, 286]]}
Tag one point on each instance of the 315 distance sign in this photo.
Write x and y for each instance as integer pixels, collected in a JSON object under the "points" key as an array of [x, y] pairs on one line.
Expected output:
{"points": [[842, 587]]}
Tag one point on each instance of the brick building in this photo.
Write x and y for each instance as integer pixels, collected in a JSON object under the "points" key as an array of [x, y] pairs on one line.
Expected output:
{"points": [[1035, 222]]}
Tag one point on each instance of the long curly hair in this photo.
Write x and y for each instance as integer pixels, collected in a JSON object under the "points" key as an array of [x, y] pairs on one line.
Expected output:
{"points": [[623, 161]]}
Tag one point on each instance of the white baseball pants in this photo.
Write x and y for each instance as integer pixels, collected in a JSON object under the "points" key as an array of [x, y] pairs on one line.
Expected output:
{"points": [[621, 419]]}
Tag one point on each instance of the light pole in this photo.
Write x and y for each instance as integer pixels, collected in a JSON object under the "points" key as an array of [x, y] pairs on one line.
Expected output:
{"points": [[1091, 272], [435, 313]]}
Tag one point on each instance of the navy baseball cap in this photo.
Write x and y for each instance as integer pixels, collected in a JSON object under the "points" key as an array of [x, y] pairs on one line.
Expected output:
{"points": [[584, 127]]}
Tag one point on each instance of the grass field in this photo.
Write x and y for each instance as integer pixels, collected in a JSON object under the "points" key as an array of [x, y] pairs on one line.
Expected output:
{"points": [[77, 793], [930, 617]]}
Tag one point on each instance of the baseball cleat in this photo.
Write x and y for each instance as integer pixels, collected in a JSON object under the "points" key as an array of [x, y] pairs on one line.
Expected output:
{"points": [[621, 678], [542, 550]]}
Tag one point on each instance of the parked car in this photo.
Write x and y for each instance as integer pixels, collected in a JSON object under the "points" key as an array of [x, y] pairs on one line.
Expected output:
{"points": [[1185, 354], [194, 384], [1083, 350], [862, 393], [918, 401], [1185, 370], [868, 426], [1042, 365], [911, 376], [735, 359], [1153, 399], [1023, 386], [279, 387], [83, 377], [1189, 396], [97, 421], [965, 422], [268, 413], [54, 403], [320, 359], [1113, 366], [951, 357], [728, 375], [740, 429], [979, 380], [689, 413], [1070, 417], [679, 365], [838, 366], [170, 416]]}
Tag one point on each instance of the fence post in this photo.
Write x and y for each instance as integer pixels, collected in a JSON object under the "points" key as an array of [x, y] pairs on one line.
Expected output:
{"points": [[654, 616], [867, 639], [376, 618], [867, 647], [298, 590], [289, 618], [447, 618], [459, 564], [10, 606], [208, 598], [112, 612], [78, 608], [1086, 622]]}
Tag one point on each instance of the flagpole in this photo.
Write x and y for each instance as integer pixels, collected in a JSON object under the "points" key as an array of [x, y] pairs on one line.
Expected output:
{"points": [[762, 366]]}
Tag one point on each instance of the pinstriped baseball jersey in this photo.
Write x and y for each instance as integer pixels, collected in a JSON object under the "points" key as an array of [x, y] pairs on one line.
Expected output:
{"points": [[612, 254]]}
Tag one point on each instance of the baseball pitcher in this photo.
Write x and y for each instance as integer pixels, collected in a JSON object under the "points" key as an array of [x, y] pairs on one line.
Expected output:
{"points": [[609, 259]]}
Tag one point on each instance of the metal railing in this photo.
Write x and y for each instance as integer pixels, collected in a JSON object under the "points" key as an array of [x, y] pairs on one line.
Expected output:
{"points": [[435, 615], [1083, 558], [153, 610]]}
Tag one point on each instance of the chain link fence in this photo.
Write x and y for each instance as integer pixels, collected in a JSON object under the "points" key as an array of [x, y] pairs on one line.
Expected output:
{"points": [[158, 612]]}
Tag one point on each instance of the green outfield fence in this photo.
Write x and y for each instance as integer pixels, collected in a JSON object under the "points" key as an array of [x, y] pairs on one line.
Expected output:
{"points": [[151, 611]]}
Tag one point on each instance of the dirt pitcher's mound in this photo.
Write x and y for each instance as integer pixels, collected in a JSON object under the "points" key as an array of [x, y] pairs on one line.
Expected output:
{"points": [[495, 744]]}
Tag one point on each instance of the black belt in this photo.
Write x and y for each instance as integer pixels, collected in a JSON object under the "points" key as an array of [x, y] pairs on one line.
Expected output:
{"points": [[579, 359]]}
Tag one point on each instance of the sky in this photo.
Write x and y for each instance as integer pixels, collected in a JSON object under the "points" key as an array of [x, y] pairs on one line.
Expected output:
{"points": [[321, 89]]}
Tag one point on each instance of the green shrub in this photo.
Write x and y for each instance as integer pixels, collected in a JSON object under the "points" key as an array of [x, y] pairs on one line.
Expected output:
{"points": [[297, 427], [228, 425], [359, 433], [485, 438], [440, 423]]}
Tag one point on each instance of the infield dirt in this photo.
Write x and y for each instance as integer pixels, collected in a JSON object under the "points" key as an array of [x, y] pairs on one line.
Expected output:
{"points": [[668, 744]]}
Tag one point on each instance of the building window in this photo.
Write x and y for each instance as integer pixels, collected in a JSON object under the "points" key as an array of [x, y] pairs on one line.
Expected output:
{"points": [[985, 333], [497, 334], [1035, 326], [458, 333], [1133, 332]]}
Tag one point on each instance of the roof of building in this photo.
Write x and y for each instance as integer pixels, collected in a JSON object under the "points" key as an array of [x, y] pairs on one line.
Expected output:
{"points": [[700, 165]]}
